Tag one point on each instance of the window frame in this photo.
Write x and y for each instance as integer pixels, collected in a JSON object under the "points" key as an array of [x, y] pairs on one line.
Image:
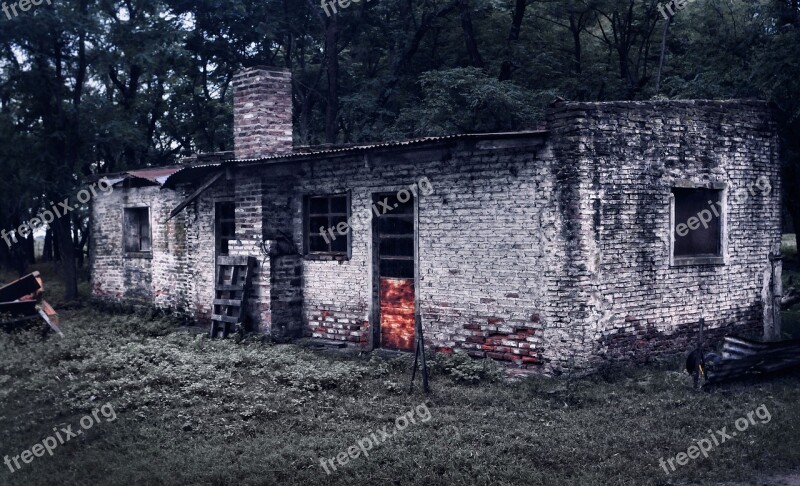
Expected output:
{"points": [[126, 213], [698, 260], [307, 232]]}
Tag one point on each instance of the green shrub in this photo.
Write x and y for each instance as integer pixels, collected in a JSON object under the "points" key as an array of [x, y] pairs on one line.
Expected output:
{"points": [[463, 369]]}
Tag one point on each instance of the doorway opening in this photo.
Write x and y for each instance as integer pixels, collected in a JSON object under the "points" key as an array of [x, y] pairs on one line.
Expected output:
{"points": [[394, 286]]}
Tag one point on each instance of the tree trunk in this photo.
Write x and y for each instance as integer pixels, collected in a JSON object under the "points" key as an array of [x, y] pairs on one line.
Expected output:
{"points": [[19, 254], [29, 244], [507, 66], [56, 249], [63, 230], [332, 65], [5, 256], [469, 34], [47, 251], [81, 242], [663, 54]]}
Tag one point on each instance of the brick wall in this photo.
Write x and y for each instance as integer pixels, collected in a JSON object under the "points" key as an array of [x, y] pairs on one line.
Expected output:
{"points": [[620, 163], [158, 279], [262, 112], [484, 259]]}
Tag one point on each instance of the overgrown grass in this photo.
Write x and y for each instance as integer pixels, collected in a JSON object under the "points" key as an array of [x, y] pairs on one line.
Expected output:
{"points": [[195, 411]]}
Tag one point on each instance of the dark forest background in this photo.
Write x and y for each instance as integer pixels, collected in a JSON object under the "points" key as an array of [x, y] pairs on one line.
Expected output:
{"points": [[98, 86]]}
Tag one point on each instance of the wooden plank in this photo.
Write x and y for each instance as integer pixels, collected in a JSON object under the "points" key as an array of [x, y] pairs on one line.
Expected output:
{"points": [[229, 319], [21, 308], [51, 313], [234, 261], [228, 302], [196, 194], [20, 288], [229, 288], [50, 323]]}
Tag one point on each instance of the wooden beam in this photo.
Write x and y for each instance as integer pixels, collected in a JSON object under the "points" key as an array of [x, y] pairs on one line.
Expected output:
{"points": [[196, 194]]}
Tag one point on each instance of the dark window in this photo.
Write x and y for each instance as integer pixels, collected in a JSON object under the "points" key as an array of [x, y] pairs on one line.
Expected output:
{"points": [[137, 230], [698, 222], [326, 228], [225, 221]]}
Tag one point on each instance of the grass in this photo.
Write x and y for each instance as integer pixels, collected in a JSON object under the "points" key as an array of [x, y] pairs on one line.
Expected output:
{"points": [[195, 411], [190, 410]]}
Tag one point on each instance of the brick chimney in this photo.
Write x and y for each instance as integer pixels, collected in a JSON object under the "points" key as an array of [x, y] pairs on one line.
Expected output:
{"points": [[262, 112]]}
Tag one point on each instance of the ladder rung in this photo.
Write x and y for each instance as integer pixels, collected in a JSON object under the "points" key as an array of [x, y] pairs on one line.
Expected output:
{"points": [[228, 302], [232, 261], [230, 288], [229, 319]]}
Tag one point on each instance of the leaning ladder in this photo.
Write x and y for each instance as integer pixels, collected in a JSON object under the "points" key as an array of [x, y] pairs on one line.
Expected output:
{"points": [[234, 275]]}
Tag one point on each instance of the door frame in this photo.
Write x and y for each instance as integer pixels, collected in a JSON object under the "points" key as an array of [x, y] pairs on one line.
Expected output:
{"points": [[374, 341]]}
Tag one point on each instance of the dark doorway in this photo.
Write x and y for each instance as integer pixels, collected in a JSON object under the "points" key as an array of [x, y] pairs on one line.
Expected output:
{"points": [[224, 227], [394, 258]]}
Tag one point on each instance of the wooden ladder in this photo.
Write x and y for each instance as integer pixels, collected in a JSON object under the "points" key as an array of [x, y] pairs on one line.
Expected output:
{"points": [[234, 275]]}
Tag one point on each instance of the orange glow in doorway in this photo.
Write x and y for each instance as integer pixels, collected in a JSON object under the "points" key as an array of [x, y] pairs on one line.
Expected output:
{"points": [[397, 313]]}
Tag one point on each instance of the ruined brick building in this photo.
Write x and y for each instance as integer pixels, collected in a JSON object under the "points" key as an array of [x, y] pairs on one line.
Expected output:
{"points": [[589, 240]]}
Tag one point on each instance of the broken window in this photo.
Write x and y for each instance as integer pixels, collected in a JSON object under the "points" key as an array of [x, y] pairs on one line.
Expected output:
{"points": [[327, 231], [225, 223], [697, 228], [137, 230]]}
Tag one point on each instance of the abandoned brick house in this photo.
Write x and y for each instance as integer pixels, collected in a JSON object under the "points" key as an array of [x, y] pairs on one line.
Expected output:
{"points": [[593, 239]]}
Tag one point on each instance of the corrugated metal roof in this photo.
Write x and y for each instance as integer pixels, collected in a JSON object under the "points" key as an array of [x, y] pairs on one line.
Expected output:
{"points": [[157, 176], [322, 153]]}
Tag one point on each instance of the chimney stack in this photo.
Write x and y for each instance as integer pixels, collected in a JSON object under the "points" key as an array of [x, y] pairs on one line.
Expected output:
{"points": [[262, 112]]}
